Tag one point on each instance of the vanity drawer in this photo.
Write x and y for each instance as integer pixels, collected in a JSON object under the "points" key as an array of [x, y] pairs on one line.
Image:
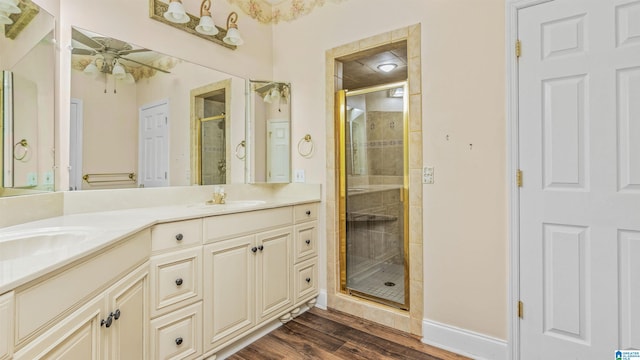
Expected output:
{"points": [[305, 212], [306, 241], [306, 280], [232, 225], [6, 326], [176, 234], [178, 335], [175, 279]]}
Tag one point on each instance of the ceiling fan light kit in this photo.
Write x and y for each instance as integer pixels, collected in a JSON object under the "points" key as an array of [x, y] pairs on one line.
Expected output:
{"points": [[174, 14], [15, 15]]}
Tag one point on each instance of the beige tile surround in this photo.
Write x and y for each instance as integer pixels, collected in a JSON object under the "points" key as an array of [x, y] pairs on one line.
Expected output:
{"points": [[402, 320]]}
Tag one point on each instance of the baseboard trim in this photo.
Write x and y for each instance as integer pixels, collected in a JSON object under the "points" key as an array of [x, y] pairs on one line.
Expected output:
{"points": [[321, 301], [463, 342]]}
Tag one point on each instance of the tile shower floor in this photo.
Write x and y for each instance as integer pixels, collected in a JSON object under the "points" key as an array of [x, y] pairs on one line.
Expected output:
{"points": [[377, 282]]}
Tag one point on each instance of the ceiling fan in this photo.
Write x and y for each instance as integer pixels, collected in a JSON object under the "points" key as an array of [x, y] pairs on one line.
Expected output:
{"points": [[110, 51]]}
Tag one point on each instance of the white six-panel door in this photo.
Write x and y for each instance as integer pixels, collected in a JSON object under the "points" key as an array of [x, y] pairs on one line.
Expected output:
{"points": [[579, 146], [154, 145]]}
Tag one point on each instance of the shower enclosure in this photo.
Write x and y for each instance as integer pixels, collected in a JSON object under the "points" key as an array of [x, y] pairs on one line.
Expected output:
{"points": [[373, 189]]}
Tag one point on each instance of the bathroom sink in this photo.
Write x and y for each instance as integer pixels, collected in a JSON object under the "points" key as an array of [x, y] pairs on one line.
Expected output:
{"points": [[43, 241]]}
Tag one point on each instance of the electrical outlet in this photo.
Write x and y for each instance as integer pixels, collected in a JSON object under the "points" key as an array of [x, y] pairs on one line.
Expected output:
{"points": [[427, 175], [298, 176]]}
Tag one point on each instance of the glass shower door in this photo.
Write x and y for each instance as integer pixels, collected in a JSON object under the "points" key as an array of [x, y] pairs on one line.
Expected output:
{"points": [[373, 188]]}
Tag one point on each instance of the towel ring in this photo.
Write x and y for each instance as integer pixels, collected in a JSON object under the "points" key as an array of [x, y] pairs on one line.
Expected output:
{"points": [[25, 146], [305, 140], [243, 145]]}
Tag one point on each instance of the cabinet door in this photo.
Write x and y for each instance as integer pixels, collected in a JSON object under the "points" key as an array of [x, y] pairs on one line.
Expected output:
{"points": [[6, 326], [77, 336], [273, 272], [229, 289], [128, 303]]}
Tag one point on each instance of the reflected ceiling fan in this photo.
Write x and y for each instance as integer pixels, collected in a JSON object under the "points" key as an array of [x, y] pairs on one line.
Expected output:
{"points": [[108, 54]]}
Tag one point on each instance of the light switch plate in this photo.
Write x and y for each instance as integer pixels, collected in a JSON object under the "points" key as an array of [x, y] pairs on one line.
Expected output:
{"points": [[298, 176], [427, 175]]}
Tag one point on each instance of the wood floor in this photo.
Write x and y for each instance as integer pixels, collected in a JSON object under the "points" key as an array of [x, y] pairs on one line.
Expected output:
{"points": [[332, 335]]}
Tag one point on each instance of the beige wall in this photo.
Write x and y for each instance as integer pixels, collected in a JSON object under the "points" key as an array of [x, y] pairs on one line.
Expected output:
{"points": [[464, 212]]}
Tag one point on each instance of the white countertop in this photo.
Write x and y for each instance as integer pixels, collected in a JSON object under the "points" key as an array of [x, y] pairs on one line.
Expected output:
{"points": [[96, 231]]}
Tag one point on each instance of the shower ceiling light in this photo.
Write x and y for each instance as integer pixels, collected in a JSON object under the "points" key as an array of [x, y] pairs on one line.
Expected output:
{"points": [[387, 67]]}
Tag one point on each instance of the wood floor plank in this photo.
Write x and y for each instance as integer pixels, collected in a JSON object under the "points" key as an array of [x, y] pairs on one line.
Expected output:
{"points": [[388, 333], [306, 347], [365, 339], [330, 335]]}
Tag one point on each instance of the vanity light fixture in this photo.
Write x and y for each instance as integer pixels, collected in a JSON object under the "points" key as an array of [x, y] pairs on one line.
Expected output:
{"points": [[4, 19], [173, 13], [387, 67], [206, 25], [9, 7], [176, 13], [233, 35]]}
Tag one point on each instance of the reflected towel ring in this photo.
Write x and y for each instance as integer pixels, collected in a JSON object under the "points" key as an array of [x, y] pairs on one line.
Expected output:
{"points": [[305, 140], [25, 146], [243, 145]]}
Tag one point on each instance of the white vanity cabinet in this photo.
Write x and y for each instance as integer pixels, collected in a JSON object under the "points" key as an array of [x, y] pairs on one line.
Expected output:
{"points": [[176, 290], [248, 272], [112, 325], [6, 326]]}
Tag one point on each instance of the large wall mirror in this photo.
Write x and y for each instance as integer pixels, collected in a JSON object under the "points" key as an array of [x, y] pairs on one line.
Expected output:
{"points": [[140, 118], [27, 101], [268, 132]]}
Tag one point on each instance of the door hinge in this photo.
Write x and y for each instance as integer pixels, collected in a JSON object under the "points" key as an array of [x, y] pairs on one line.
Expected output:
{"points": [[519, 178], [520, 309], [518, 49], [165, 175]]}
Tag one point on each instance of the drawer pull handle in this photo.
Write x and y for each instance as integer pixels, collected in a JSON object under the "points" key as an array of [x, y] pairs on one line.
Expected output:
{"points": [[179, 281], [308, 212], [254, 249], [308, 280], [107, 323], [260, 247], [308, 242], [179, 237], [179, 341], [116, 314]]}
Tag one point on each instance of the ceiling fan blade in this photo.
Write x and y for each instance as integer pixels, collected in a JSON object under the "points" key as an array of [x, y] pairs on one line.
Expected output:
{"points": [[127, 52], [147, 65], [84, 39], [78, 51]]}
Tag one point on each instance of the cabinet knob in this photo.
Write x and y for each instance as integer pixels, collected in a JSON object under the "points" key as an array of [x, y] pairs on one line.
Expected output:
{"points": [[179, 237], [260, 247], [179, 341], [116, 314], [308, 241], [107, 323], [254, 249], [308, 280], [179, 281], [308, 212]]}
